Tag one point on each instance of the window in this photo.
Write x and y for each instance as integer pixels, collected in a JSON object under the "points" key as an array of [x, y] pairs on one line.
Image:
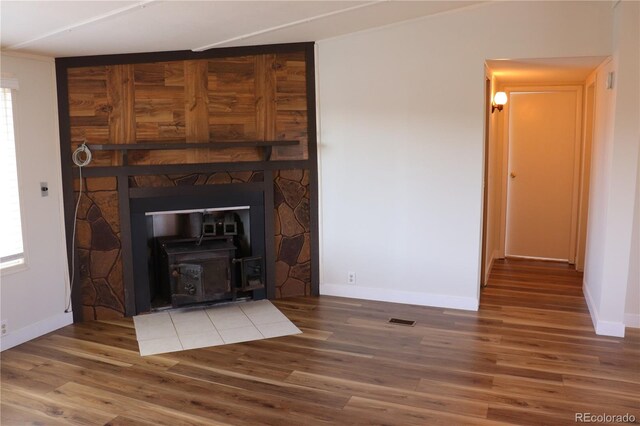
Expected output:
{"points": [[11, 246]]}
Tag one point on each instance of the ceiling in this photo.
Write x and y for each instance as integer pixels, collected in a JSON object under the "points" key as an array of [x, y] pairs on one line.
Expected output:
{"points": [[544, 70], [78, 28]]}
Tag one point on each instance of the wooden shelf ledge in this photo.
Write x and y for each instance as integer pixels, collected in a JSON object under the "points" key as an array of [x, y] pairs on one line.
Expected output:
{"points": [[144, 146], [265, 146]]}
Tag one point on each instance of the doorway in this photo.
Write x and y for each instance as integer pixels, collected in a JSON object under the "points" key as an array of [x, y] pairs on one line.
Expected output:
{"points": [[485, 181], [555, 163], [585, 172], [543, 129]]}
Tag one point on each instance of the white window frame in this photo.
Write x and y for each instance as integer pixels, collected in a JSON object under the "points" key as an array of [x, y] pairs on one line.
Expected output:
{"points": [[11, 83]]}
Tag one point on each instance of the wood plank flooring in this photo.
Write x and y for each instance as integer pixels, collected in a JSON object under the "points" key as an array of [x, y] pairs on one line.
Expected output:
{"points": [[528, 356]]}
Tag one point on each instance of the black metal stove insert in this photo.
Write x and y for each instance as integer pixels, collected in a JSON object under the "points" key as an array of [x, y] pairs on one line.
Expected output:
{"points": [[238, 259], [197, 271]]}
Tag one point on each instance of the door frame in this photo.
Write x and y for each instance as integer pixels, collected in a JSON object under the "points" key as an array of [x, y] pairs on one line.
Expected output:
{"points": [[485, 178], [575, 191], [585, 169]]}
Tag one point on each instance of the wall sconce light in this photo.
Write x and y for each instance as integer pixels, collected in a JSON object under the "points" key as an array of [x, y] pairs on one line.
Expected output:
{"points": [[499, 99]]}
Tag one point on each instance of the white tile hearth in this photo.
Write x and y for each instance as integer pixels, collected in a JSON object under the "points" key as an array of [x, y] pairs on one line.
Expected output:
{"points": [[277, 329], [200, 340], [159, 346], [242, 334], [193, 328]]}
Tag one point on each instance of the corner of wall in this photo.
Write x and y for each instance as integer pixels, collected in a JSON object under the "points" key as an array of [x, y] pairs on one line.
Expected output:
{"points": [[602, 328], [33, 331], [632, 320], [399, 296]]}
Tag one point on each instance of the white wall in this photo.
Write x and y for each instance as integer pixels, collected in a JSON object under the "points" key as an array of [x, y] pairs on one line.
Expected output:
{"points": [[632, 309], [33, 299], [614, 183], [401, 141]]}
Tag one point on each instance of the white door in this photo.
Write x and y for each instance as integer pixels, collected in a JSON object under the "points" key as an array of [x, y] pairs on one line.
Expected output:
{"points": [[543, 138]]}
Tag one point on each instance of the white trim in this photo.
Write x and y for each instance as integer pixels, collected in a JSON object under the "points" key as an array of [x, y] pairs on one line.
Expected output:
{"points": [[62, 241], [632, 320], [577, 165], [590, 304], [13, 269], [610, 328], [287, 25], [319, 180], [9, 82], [492, 261], [30, 332], [546, 259], [204, 211], [31, 56], [398, 296], [502, 135], [21, 168], [602, 328], [93, 19], [585, 173]]}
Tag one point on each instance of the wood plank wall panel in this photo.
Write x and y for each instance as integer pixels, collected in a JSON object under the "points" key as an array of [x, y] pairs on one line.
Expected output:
{"points": [[89, 110], [232, 94], [196, 107], [291, 105], [120, 97], [238, 98], [160, 101], [266, 96]]}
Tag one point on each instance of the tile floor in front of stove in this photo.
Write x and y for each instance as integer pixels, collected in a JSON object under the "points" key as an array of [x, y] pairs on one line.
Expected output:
{"points": [[193, 328]]}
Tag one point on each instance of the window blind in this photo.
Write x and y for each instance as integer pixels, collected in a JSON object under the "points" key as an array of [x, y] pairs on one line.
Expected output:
{"points": [[11, 245]]}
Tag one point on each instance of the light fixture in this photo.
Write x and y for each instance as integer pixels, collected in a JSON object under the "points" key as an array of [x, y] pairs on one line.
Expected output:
{"points": [[499, 99]]}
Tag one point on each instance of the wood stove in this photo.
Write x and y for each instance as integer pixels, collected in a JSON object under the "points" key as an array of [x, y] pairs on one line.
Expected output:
{"points": [[199, 245], [196, 271]]}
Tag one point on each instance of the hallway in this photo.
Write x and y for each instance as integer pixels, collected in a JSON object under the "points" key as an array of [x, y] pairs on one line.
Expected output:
{"points": [[541, 285]]}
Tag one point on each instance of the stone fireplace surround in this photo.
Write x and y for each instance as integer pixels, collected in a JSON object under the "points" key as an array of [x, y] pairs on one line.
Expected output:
{"points": [[185, 198], [286, 182], [99, 241]]}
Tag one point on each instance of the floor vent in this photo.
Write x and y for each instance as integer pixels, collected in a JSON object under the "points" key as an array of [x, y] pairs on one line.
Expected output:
{"points": [[400, 321]]}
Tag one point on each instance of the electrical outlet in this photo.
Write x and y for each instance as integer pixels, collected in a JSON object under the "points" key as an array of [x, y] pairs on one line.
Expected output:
{"points": [[351, 277], [5, 327]]}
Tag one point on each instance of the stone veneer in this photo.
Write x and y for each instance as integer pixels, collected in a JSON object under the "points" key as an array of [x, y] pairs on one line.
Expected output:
{"points": [[98, 234], [292, 229], [98, 247], [155, 181]]}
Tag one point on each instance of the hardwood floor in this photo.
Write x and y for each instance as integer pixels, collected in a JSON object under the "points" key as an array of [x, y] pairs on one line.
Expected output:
{"points": [[528, 356]]}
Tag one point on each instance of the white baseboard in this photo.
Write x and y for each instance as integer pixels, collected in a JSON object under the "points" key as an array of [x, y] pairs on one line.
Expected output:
{"points": [[546, 259], [487, 272], [602, 328], [30, 332], [399, 296], [632, 320]]}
